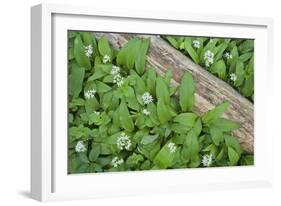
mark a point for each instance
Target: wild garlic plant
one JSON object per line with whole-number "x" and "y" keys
{"x": 123, "y": 116}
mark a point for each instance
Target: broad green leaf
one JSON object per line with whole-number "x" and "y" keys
{"x": 132, "y": 53}
{"x": 186, "y": 119}
{"x": 189, "y": 49}
{"x": 165, "y": 158}
{"x": 190, "y": 150}
{"x": 126, "y": 121}
{"x": 225, "y": 125}
{"x": 215, "y": 113}
{"x": 220, "y": 50}
{"x": 248, "y": 86}
{"x": 216, "y": 135}
{"x": 163, "y": 112}
{"x": 162, "y": 91}
{"x": 76, "y": 80}
{"x": 245, "y": 57}
{"x": 151, "y": 81}
{"x": 231, "y": 141}
{"x": 197, "y": 127}
{"x": 104, "y": 47}
{"x": 239, "y": 71}
{"x": 172, "y": 41}
{"x": 149, "y": 139}
{"x": 219, "y": 68}
{"x": 95, "y": 152}
{"x": 246, "y": 46}
{"x": 233, "y": 156}
{"x": 83, "y": 157}
{"x": 141, "y": 56}
{"x": 102, "y": 87}
{"x": 79, "y": 54}
{"x": 186, "y": 92}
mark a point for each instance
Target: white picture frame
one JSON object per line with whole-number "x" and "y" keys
{"x": 49, "y": 179}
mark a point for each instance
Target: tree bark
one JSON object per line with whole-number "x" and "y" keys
{"x": 210, "y": 90}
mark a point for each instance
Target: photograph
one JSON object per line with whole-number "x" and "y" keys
{"x": 150, "y": 102}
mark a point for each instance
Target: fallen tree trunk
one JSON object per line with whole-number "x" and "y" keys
{"x": 210, "y": 90}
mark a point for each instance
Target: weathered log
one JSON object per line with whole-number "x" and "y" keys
{"x": 210, "y": 90}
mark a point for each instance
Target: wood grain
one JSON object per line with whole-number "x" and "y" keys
{"x": 210, "y": 90}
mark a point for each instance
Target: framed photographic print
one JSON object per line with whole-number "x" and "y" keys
{"x": 135, "y": 102}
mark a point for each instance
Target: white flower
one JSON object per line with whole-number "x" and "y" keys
{"x": 118, "y": 79}
{"x": 172, "y": 147}
{"x": 208, "y": 58}
{"x": 80, "y": 147}
{"x": 115, "y": 70}
{"x": 207, "y": 160}
{"x": 90, "y": 94}
{"x": 88, "y": 50}
{"x": 146, "y": 112}
{"x": 124, "y": 142}
{"x": 97, "y": 113}
{"x": 196, "y": 44}
{"x": 227, "y": 55}
{"x": 233, "y": 77}
{"x": 106, "y": 59}
{"x": 116, "y": 161}
{"x": 147, "y": 98}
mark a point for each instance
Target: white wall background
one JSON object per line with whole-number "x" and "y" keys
{"x": 15, "y": 102}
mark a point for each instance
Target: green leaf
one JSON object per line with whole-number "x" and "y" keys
{"x": 126, "y": 121}
{"x": 186, "y": 92}
{"x": 151, "y": 81}
{"x": 246, "y": 46}
{"x": 216, "y": 135}
{"x": 76, "y": 80}
{"x": 219, "y": 68}
{"x": 102, "y": 87}
{"x": 231, "y": 141}
{"x": 233, "y": 156}
{"x": 149, "y": 139}
{"x": 95, "y": 152}
{"x": 141, "y": 56}
{"x": 190, "y": 150}
{"x": 164, "y": 158}
{"x": 189, "y": 49}
{"x": 186, "y": 119}
{"x": 163, "y": 112}
{"x": 248, "y": 86}
{"x": 247, "y": 160}
{"x": 225, "y": 125}
{"x": 239, "y": 71}
{"x": 79, "y": 53}
{"x": 162, "y": 91}
{"x": 215, "y": 113}
{"x": 172, "y": 41}
{"x": 83, "y": 157}
{"x": 132, "y": 53}
{"x": 104, "y": 47}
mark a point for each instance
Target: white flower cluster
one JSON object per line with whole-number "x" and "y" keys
{"x": 80, "y": 147}
{"x": 196, "y": 44}
{"x": 207, "y": 160}
{"x": 116, "y": 161}
{"x": 90, "y": 94}
{"x": 147, "y": 98}
{"x": 106, "y": 59}
{"x": 117, "y": 78}
{"x": 172, "y": 147}
{"x": 88, "y": 50}
{"x": 208, "y": 58}
{"x": 227, "y": 55}
{"x": 233, "y": 77}
{"x": 145, "y": 112}
{"x": 97, "y": 113}
{"x": 124, "y": 142}
{"x": 115, "y": 70}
